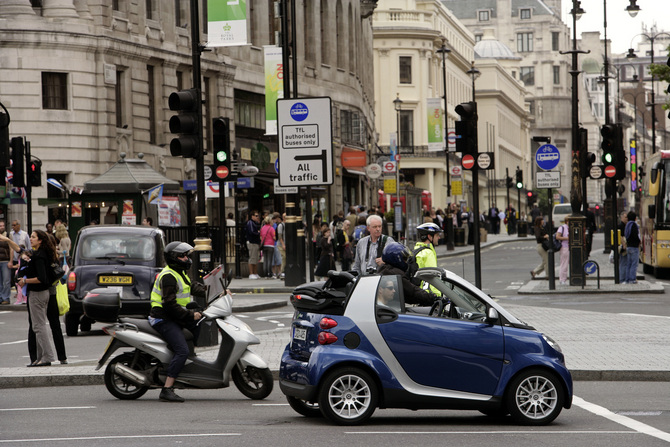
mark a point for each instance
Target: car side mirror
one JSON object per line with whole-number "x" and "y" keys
{"x": 492, "y": 316}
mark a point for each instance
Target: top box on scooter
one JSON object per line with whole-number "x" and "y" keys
{"x": 103, "y": 304}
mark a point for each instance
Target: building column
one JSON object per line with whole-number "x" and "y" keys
{"x": 59, "y": 8}
{"x": 15, "y": 8}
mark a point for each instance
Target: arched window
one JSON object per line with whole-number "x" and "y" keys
{"x": 340, "y": 21}
{"x": 309, "y": 35}
{"x": 325, "y": 54}
{"x": 353, "y": 41}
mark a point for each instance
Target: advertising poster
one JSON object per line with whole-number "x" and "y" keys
{"x": 76, "y": 209}
{"x": 274, "y": 86}
{"x": 128, "y": 208}
{"x": 435, "y": 124}
{"x": 226, "y": 23}
{"x": 169, "y": 214}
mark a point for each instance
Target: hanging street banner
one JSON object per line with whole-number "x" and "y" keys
{"x": 305, "y": 141}
{"x": 227, "y": 23}
{"x": 274, "y": 86}
{"x": 435, "y": 124}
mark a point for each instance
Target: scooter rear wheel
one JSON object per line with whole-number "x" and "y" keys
{"x": 253, "y": 382}
{"x": 120, "y": 387}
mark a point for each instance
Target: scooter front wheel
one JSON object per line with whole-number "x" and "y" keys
{"x": 120, "y": 387}
{"x": 255, "y": 383}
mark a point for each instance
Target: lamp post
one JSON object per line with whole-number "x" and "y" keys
{"x": 651, "y": 37}
{"x": 577, "y": 221}
{"x": 397, "y": 104}
{"x": 474, "y": 74}
{"x": 450, "y": 223}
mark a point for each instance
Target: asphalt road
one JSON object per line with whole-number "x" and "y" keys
{"x": 608, "y": 414}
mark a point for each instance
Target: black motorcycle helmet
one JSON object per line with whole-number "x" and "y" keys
{"x": 396, "y": 255}
{"x": 173, "y": 251}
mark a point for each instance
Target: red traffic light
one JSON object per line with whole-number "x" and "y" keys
{"x": 530, "y": 194}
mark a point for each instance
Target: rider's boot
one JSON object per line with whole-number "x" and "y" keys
{"x": 168, "y": 395}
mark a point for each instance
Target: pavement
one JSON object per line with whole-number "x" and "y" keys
{"x": 597, "y": 345}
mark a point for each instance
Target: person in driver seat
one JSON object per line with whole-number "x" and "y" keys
{"x": 395, "y": 256}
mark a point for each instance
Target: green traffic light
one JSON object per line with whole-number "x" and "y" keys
{"x": 608, "y": 157}
{"x": 519, "y": 185}
{"x": 221, "y": 156}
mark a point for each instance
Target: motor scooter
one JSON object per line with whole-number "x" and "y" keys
{"x": 131, "y": 374}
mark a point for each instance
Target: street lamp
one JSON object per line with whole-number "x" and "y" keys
{"x": 397, "y": 216}
{"x": 474, "y": 74}
{"x": 631, "y": 55}
{"x": 444, "y": 51}
{"x": 632, "y": 8}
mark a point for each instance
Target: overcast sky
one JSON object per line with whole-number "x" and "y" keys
{"x": 621, "y": 27}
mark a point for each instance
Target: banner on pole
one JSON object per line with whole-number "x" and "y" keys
{"x": 274, "y": 86}
{"x": 227, "y": 23}
{"x": 435, "y": 124}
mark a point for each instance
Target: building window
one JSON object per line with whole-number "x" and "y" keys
{"x": 483, "y": 16}
{"x": 118, "y": 98}
{"x": 524, "y": 42}
{"x": 54, "y": 90}
{"x": 478, "y": 38}
{"x": 405, "y": 63}
{"x": 524, "y": 14}
{"x": 528, "y": 75}
{"x": 150, "y": 9}
{"x": 350, "y": 128}
{"x": 554, "y": 40}
{"x": 115, "y": 5}
{"x": 249, "y": 109}
{"x": 557, "y": 74}
{"x": 152, "y": 103}
{"x": 406, "y": 139}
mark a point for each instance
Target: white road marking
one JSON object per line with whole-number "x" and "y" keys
{"x": 496, "y": 432}
{"x": 45, "y": 408}
{"x": 90, "y": 438}
{"x": 269, "y": 405}
{"x": 13, "y": 342}
{"x": 621, "y": 419}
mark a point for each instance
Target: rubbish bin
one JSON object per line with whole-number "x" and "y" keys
{"x": 523, "y": 229}
{"x": 482, "y": 234}
{"x": 459, "y": 237}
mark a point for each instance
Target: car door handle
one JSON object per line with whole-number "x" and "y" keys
{"x": 386, "y": 315}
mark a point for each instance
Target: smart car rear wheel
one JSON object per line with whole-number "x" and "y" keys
{"x": 348, "y": 396}
{"x": 535, "y": 397}
{"x": 301, "y": 406}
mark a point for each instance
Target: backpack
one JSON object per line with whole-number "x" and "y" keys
{"x": 413, "y": 267}
{"x": 359, "y": 232}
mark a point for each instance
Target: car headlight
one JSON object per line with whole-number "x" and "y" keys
{"x": 552, "y": 342}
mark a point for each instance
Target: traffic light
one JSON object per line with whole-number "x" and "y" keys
{"x": 586, "y": 158}
{"x": 221, "y": 148}
{"x": 18, "y": 163}
{"x": 532, "y": 197}
{"x": 466, "y": 129}
{"x": 187, "y": 103}
{"x": 34, "y": 174}
{"x": 510, "y": 182}
{"x": 519, "y": 179}
{"x": 614, "y": 156}
{"x": 4, "y": 141}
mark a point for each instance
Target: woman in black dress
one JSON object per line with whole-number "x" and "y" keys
{"x": 326, "y": 261}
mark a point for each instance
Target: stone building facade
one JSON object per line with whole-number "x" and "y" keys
{"x": 87, "y": 80}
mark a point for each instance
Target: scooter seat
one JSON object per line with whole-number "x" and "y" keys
{"x": 142, "y": 324}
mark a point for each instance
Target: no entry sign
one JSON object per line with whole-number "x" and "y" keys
{"x": 468, "y": 161}
{"x": 610, "y": 171}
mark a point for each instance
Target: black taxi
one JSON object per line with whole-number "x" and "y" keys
{"x": 125, "y": 257}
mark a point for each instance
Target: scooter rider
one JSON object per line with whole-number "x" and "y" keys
{"x": 424, "y": 250}
{"x": 171, "y": 293}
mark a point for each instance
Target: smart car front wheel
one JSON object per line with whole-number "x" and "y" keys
{"x": 348, "y": 396}
{"x": 535, "y": 397}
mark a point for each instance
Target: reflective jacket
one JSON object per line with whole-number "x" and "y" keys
{"x": 425, "y": 256}
{"x": 183, "y": 295}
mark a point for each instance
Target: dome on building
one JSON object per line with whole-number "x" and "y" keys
{"x": 591, "y": 66}
{"x": 490, "y": 48}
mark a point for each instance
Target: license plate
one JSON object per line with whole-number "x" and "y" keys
{"x": 299, "y": 334}
{"x": 119, "y": 280}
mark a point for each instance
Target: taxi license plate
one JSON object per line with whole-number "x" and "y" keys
{"x": 118, "y": 280}
{"x": 299, "y": 334}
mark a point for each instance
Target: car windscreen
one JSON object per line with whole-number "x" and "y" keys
{"x": 115, "y": 246}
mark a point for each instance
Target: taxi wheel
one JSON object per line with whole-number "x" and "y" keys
{"x": 348, "y": 396}
{"x": 535, "y": 397}
{"x": 301, "y": 406}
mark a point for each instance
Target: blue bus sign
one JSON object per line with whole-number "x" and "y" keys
{"x": 547, "y": 157}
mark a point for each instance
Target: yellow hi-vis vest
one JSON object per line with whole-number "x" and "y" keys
{"x": 183, "y": 291}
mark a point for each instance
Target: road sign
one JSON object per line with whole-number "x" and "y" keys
{"x": 484, "y": 160}
{"x": 590, "y": 267}
{"x": 388, "y": 167}
{"x": 208, "y": 172}
{"x": 305, "y": 141}
{"x": 222, "y": 172}
{"x": 610, "y": 171}
{"x": 456, "y": 171}
{"x": 547, "y": 157}
{"x": 451, "y": 140}
{"x": 548, "y": 179}
{"x": 596, "y": 172}
{"x": 468, "y": 161}
{"x": 373, "y": 170}
{"x": 284, "y": 189}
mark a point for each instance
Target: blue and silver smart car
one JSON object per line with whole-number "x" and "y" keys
{"x": 356, "y": 347}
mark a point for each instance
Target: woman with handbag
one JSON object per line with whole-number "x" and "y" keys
{"x": 44, "y": 254}
{"x": 540, "y": 236}
{"x": 562, "y": 234}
